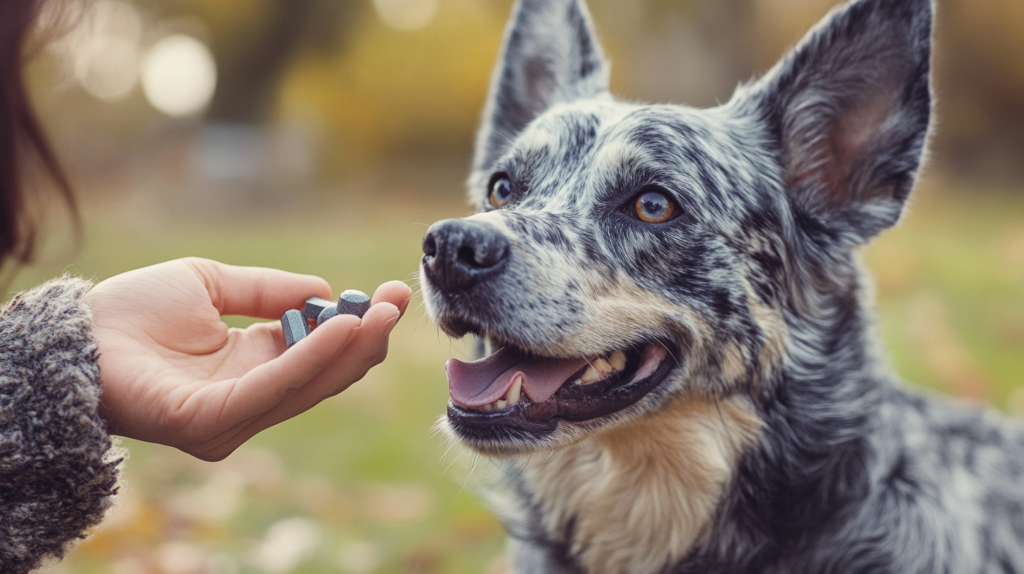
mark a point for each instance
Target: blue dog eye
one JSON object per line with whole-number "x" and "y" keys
{"x": 654, "y": 207}
{"x": 501, "y": 190}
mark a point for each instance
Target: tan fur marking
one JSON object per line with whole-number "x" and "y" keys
{"x": 774, "y": 326}
{"x": 641, "y": 494}
{"x": 733, "y": 367}
{"x": 617, "y": 305}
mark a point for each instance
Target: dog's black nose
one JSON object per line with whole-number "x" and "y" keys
{"x": 457, "y": 253}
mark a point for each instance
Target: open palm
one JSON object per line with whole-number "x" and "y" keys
{"x": 173, "y": 373}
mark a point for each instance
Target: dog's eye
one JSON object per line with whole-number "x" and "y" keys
{"x": 500, "y": 189}
{"x": 654, "y": 207}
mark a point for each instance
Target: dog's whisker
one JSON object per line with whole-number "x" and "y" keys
{"x": 496, "y": 469}
{"x": 458, "y": 456}
{"x": 660, "y": 343}
{"x": 416, "y": 326}
{"x": 472, "y": 468}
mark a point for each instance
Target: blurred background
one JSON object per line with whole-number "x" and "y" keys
{"x": 323, "y": 136}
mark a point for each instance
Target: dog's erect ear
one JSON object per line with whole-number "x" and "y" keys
{"x": 550, "y": 55}
{"x": 850, "y": 108}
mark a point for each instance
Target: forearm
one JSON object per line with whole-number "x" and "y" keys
{"x": 57, "y": 476}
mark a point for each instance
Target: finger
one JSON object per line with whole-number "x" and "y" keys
{"x": 356, "y": 357}
{"x": 395, "y": 292}
{"x": 265, "y": 386}
{"x": 257, "y": 291}
{"x": 363, "y": 351}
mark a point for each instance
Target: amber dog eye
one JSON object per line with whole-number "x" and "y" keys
{"x": 501, "y": 190}
{"x": 654, "y": 207}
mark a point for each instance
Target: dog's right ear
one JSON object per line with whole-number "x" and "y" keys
{"x": 550, "y": 55}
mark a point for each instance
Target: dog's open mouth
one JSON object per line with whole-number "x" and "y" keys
{"x": 512, "y": 388}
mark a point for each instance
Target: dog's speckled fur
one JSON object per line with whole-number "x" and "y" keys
{"x": 780, "y": 442}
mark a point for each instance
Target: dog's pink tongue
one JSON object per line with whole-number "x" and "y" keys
{"x": 485, "y": 381}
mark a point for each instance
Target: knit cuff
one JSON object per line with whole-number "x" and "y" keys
{"x": 57, "y": 473}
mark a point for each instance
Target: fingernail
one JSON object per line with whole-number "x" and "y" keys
{"x": 390, "y": 325}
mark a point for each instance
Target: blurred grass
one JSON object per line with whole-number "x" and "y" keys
{"x": 951, "y": 292}
{"x": 362, "y": 484}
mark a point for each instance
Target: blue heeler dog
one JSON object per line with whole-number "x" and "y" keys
{"x": 681, "y": 374}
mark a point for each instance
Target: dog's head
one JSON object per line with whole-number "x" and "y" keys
{"x": 627, "y": 255}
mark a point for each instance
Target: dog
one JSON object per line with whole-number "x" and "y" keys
{"x": 680, "y": 373}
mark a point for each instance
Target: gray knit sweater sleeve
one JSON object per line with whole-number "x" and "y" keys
{"x": 57, "y": 478}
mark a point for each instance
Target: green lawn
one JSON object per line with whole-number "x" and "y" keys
{"x": 362, "y": 483}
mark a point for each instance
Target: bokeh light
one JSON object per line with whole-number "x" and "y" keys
{"x": 104, "y": 50}
{"x": 107, "y": 67}
{"x": 406, "y": 14}
{"x": 179, "y": 75}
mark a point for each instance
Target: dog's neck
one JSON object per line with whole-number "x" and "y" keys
{"x": 818, "y": 416}
{"x": 652, "y": 484}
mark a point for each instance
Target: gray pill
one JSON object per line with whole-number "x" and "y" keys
{"x": 326, "y": 314}
{"x": 295, "y": 326}
{"x": 352, "y": 302}
{"x": 316, "y": 305}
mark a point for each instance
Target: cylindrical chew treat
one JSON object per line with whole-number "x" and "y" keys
{"x": 295, "y": 326}
{"x": 316, "y": 305}
{"x": 352, "y": 302}
{"x": 326, "y": 314}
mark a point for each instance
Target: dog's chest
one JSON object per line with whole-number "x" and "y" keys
{"x": 636, "y": 499}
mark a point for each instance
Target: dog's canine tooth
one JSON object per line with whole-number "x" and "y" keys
{"x": 515, "y": 391}
{"x": 591, "y": 375}
{"x": 618, "y": 360}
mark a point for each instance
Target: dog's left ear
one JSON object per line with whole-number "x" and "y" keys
{"x": 549, "y": 55}
{"x": 850, "y": 109}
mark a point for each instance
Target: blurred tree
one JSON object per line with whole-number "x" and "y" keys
{"x": 725, "y": 27}
{"x": 252, "y": 70}
{"x": 981, "y": 87}
{"x": 384, "y": 91}
{"x": 396, "y": 93}
{"x": 690, "y": 51}
{"x": 255, "y": 41}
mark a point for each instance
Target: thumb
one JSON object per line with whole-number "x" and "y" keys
{"x": 256, "y": 291}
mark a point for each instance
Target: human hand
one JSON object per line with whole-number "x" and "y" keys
{"x": 173, "y": 373}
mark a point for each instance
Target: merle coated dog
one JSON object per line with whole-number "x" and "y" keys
{"x": 680, "y": 371}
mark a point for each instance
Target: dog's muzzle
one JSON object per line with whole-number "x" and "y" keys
{"x": 458, "y": 253}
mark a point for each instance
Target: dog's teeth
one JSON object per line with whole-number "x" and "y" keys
{"x": 603, "y": 367}
{"x": 515, "y": 391}
{"x": 500, "y": 404}
{"x": 487, "y": 408}
{"x": 618, "y": 360}
{"x": 590, "y": 376}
